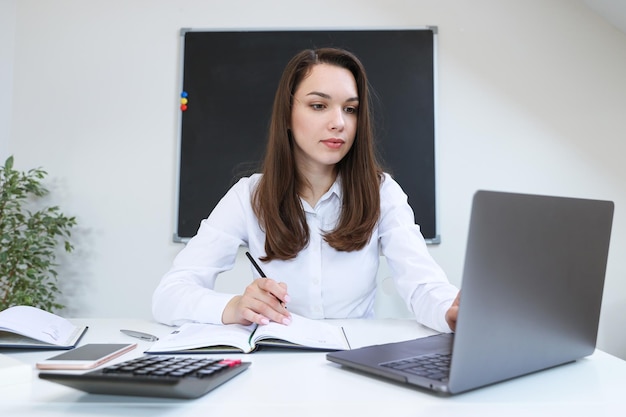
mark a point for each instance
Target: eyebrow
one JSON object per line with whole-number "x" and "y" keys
{"x": 326, "y": 96}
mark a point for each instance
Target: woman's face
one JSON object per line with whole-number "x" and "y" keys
{"x": 324, "y": 117}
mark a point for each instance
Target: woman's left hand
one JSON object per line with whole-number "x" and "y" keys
{"x": 453, "y": 311}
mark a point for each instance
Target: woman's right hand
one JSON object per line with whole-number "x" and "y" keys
{"x": 262, "y": 301}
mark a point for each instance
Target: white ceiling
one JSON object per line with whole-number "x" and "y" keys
{"x": 612, "y": 10}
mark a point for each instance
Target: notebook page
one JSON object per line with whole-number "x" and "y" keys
{"x": 37, "y": 324}
{"x": 306, "y": 332}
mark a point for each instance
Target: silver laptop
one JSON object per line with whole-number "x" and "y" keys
{"x": 530, "y": 299}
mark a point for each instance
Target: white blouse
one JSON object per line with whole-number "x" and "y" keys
{"x": 321, "y": 281}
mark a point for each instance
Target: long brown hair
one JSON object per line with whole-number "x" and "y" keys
{"x": 276, "y": 202}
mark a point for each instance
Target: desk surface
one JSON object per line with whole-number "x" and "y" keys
{"x": 300, "y": 383}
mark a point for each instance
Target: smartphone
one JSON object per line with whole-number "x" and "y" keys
{"x": 87, "y": 356}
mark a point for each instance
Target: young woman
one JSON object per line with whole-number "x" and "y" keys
{"x": 317, "y": 218}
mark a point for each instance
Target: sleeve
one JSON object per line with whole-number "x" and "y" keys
{"x": 420, "y": 281}
{"x": 185, "y": 292}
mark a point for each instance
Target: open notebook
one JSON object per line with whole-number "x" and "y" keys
{"x": 31, "y": 327}
{"x": 302, "y": 333}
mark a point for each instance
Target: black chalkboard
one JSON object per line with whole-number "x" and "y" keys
{"x": 229, "y": 79}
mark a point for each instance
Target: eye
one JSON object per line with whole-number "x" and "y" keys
{"x": 318, "y": 106}
{"x": 351, "y": 109}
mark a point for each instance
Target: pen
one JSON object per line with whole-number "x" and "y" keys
{"x": 256, "y": 265}
{"x": 139, "y": 335}
{"x": 258, "y": 268}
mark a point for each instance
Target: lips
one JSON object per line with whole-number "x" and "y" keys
{"x": 333, "y": 143}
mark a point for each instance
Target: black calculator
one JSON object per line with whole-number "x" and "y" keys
{"x": 154, "y": 376}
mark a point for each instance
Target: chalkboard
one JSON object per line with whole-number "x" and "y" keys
{"x": 229, "y": 79}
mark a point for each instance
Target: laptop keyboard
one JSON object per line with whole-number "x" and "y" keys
{"x": 154, "y": 376}
{"x": 433, "y": 366}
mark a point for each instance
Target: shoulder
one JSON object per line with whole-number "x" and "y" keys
{"x": 246, "y": 185}
{"x": 389, "y": 188}
{"x": 240, "y": 193}
{"x": 394, "y": 205}
{"x": 238, "y": 199}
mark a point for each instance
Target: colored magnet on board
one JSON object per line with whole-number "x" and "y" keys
{"x": 184, "y": 101}
{"x": 184, "y": 94}
{"x": 183, "y": 107}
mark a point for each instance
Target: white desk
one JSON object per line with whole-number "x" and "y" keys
{"x": 299, "y": 384}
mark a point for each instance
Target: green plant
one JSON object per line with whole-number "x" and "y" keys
{"x": 29, "y": 241}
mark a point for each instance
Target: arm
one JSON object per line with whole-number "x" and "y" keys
{"x": 420, "y": 281}
{"x": 185, "y": 293}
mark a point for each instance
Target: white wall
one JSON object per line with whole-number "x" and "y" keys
{"x": 7, "y": 41}
{"x": 531, "y": 99}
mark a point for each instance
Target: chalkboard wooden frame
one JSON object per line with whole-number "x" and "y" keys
{"x": 229, "y": 79}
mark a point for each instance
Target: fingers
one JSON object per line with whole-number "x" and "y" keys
{"x": 453, "y": 312}
{"x": 451, "y": 317}
{"x": 262, "y": 301}
{"x": 277, "y": 289}
{"x": 457, "y": 300}
{"x": 270, "y": 300}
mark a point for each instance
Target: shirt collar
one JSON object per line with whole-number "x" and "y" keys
{"x": 335, "y": 189}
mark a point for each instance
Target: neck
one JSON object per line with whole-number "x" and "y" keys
{"x": 316, "y": 185}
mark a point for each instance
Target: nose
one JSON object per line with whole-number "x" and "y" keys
{"x": 337, "y": 119}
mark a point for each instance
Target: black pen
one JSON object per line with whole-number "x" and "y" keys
{"x": 256, "y": 265}
{"x": 258, "y": 268}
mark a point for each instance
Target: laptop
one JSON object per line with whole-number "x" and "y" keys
{"x": 530, "y": 299}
